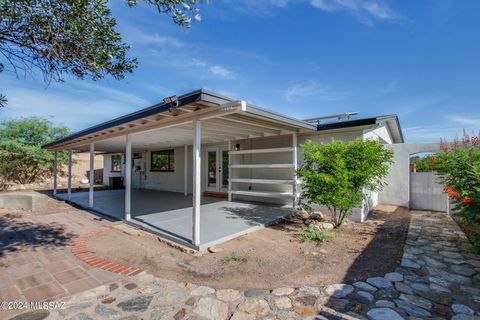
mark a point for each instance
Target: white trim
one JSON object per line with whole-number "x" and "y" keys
{"x": 295, "y": 166}
{"x": 269, "y": 194}
{"x": 271, "y": 150}
{"x": 229, "y": 171}
{"x": 128, "y": 176}
{"x": 92, "y": 176}
{"x": 262, "y": 181}
{"x": 262, "y": 166}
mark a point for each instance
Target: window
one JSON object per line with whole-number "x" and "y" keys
{"x": 116, "y": 163}
{"x": 162, "y": 161}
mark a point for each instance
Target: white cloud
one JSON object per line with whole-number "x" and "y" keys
{"x": 157, "y": 39}
{"x": 222, "y": 72}
{"x": 364, "y": 10}
{"x": 464, "y": 120}
{"x": 312, "y": 89}
{"x": 259, "y": 7}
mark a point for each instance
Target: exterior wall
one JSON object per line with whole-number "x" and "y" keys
{"x": 380, "y": 133}
{"x": 397, "y": 191}
{"x": 107, "y": 169}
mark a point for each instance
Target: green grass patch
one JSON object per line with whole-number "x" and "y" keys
{"x": 310, "y": 234}
{"x": 232, "y": 258}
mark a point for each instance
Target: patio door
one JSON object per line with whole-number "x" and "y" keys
{"x": 217, "y": 169}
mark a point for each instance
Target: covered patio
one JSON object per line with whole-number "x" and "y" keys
{"x": 203, "y": 141}
{"x": 169, "y": 214}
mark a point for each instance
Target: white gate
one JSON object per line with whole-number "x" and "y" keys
{"x": 426, "y": 193}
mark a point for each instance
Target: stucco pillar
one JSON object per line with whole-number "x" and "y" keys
{"x": 197, "y": 133}
{"x": 128, "y": 176}
{"x": 185, "y": 169}
{"x": 69, "y": 192}
{"x": 91, "y": 178}
{"x": 55, "y": 173}
{"x": 295, "y": 166}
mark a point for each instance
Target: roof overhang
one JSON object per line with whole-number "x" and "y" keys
{"x": 222, "y": 118}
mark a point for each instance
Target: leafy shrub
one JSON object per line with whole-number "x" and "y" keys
{"x": 310, "y": 234}
{"x": 458, "y": 165}
{"x": 336, "y": 175}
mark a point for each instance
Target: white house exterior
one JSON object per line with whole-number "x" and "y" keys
{"x": 208, "y": 144}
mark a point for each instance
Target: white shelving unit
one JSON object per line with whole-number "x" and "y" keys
{"x": 254, "y": 182}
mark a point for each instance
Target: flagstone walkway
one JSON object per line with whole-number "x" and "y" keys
{"x": 438, "y": 278}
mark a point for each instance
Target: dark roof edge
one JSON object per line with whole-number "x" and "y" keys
{"x": 197, "y": 95}
{"x": 363, "y": 122}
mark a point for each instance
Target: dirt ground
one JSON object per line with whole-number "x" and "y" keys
{"x": 272, "y": 257}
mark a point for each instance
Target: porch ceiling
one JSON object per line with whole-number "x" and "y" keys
{"x": 231, "y": 121}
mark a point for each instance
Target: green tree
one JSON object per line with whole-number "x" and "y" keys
{"x": 22, "y": 159}
{"x": 73, "y": 37}
{"x": 336, "y": 175}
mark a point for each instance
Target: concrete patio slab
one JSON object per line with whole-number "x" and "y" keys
{"x": 169, "y": 214}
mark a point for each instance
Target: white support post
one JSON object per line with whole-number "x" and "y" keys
{"x": 185, "y": 169}
{"x": 295, "y": 166}
{"x": 229, "y": 171}
{"x": 128, "y": 176}
{"x": 92, "y": 176}
{"x": 197, "y": 134}
{"x": 55, "y": 173}
{"x": 69, "y": 190}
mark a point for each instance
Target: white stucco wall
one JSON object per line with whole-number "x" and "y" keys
{"x": 397, "y": 191}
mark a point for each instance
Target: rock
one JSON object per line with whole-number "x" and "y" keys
{"x": 180, "y": 314}
{"x": 383, "y": 314}
{"x": 32, "y": 315}
{"x": 309, "y": 291}
{"x": 255, "y": 293}
{"x": 305, "y": 311}
{"x": 364, "y": 297}
{"x": 439, "y": 281}
{"x": 379, "y": 282}
{"x": 393, "y": 277}
{"x": 283, "y": 303}
{"x": 403, "y": 288}
{"x": 242, "y": 316}
{"x": 339, "y": 290}
{"x": 211, "y": 308}
{"x": 464, "y": 317}
{"x": 162, "y": 312}
{"x": 436, "y": 296}
{"x": 337, "y": 304}
{"x": 214, "y": 249}
{"x": 317, "y": 215}
{"x": 304, "y": 300}
{"x": 325, "y": 226}
{"x": 106, "y": 312}
{"x": 436, "y": 287}
{"x": 73, "y": 308}
{"x": 417, "y": 301}
{"x": 113, "y": 286}
{"x": 464, "y": 270}
{"x": 202, "y": 291}
{"x": 450, "y": 254}
{"x": 386, "y": 294}
{"x": 385, "y": 304}
{"x": 255, "y": 306}
{"x": 433, "y": 263}
{"x": 449, "y": 276}
{"x": 408, "y": 263}
{"x": 413, "y": 250}
{"x": 130, "y": 286}
{"x": 131, "y": 317}
{"x": 81, "y": 316}
{"x": 228, "y": 295}
{"x": 418, "y": 286}
{"x": 108, "y": 300}
{"x": 282, "y": 291}
{"x": 463, "y": 309}
{"x": 412, "y": 309}
{"x": 365, "y": 286}
{"x": 137, "y": 304}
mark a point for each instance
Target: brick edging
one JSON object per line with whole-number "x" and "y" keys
{"x": 79, "y": 250}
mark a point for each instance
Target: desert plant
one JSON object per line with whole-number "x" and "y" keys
{"x": 311, "y": 234}
{"x": 336, "y": 175}
{"x": 233, "y": 257}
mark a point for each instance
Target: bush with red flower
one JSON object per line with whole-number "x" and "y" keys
{"x": 458, "y": 165}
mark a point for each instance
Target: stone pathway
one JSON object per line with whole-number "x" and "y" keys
{"x": 438, "y": 278}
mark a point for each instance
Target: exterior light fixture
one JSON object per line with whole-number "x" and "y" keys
{"x": 172, "y": 102}
{"x": 237, "y": 147}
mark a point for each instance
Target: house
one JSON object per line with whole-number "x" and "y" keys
{"x": 203, "y": 168}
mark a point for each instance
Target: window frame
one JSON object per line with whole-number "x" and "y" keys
{"x": 170, "y": 161}
{"x": 120, "y": 163}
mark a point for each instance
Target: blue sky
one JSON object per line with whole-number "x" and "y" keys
{"x": 305, "y": 58}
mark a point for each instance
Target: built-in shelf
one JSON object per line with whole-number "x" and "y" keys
{"x": 261, "y": 166}
{"x": 262, "y": 181}
{"x": 266, "y": 194}
{"x": 271, "y": 150}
